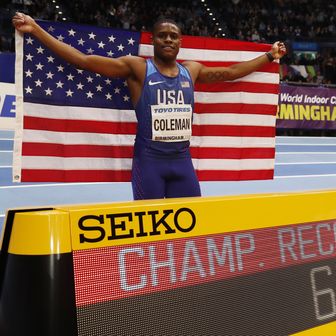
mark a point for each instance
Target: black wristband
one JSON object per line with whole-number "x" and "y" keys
{"x": 270, "y": 56}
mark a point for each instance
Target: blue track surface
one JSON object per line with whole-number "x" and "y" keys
{"x": 301, "y": 164}
{"x": 306, "y": 148}
{"x": 6, "y": 144}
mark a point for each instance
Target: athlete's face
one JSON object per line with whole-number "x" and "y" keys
{"x": 166, "y": 41}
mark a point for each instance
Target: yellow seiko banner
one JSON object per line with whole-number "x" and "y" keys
{"x": 215, "y": 245}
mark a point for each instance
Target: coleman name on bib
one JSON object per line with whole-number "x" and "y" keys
{"x": 171, "y": 122}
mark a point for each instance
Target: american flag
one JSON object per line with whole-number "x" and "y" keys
{"x": 78, "y": 126}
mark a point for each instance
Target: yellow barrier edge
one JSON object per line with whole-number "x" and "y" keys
{"x": 40, "y": 233}
{"x": 328, "y": 329}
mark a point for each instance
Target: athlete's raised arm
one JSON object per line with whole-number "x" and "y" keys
{"x": 117, "y": 67}
{"x": 207, "y": 74}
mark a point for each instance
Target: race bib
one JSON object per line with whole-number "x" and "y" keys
{"x": 171, "y": 122}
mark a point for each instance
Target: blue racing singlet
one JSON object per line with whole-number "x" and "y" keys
{"x": 164, "y": 113}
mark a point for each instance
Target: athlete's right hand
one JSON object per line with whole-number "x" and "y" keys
{"x": 23, "y": 23}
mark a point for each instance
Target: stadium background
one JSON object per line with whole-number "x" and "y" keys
{"x": 308, "y": 27}
{"x": 305, "y": 158}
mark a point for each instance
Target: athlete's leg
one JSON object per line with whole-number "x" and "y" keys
{"x": 147, "y": 182}
{"x": 184, "y": 181}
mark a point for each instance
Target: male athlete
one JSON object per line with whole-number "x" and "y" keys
{"x": 162, "y": 92}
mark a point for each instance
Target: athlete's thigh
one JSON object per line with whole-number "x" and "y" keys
{"x": 186, "y": 183}
{"x": 146, "y": 180}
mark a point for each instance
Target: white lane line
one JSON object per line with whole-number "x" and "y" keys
{"x": 301, "y": 137}
{"x": 304, "y": 144}
{"x": 53, "y": 185}
{"x": 299, "y": 176}
{"x": 313, "y": 153}
{"x": 306, "y": 163}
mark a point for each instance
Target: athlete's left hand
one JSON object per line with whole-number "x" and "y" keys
{"x": 278, "y": 50}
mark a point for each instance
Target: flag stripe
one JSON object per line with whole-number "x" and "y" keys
{"x": 193, "y": 54}
{"x": 35, "y": 120}
{"x": 237, "y": 142}
{"x": 249, "y": 131}
{"x": 60, "y": 125}
{"x": 60, "y": 150}
{"x": 232, "y": 153}
{"x": 235, "y": 97}
{"x": 266, "y": 74}
{"x": 225, "y": 175}
{"x": 79, "y": 138}
{"x": 122, "y": 116}
{"x": 79, "y": 113}
{"x": 64, "y": 125}
{"x": 89, "y": 113}
{"x": 236, "y": 108}
{"x": 270, "y": 67}
{"x": 234, "y": 119}
{"x": 239, "y": 165}
{"x": 47, "y": 162}
{"x": 260, "y": 77}
{"x": 239, "y": 86}
{"x": 36, "y": 162}
{"x": 40, "y": 175}
{"x": 199, "y": 42}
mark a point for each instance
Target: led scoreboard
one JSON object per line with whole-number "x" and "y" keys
{"x": 256, "y": 265}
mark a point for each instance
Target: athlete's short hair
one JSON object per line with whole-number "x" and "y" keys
{"x": 161, "y": 20}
